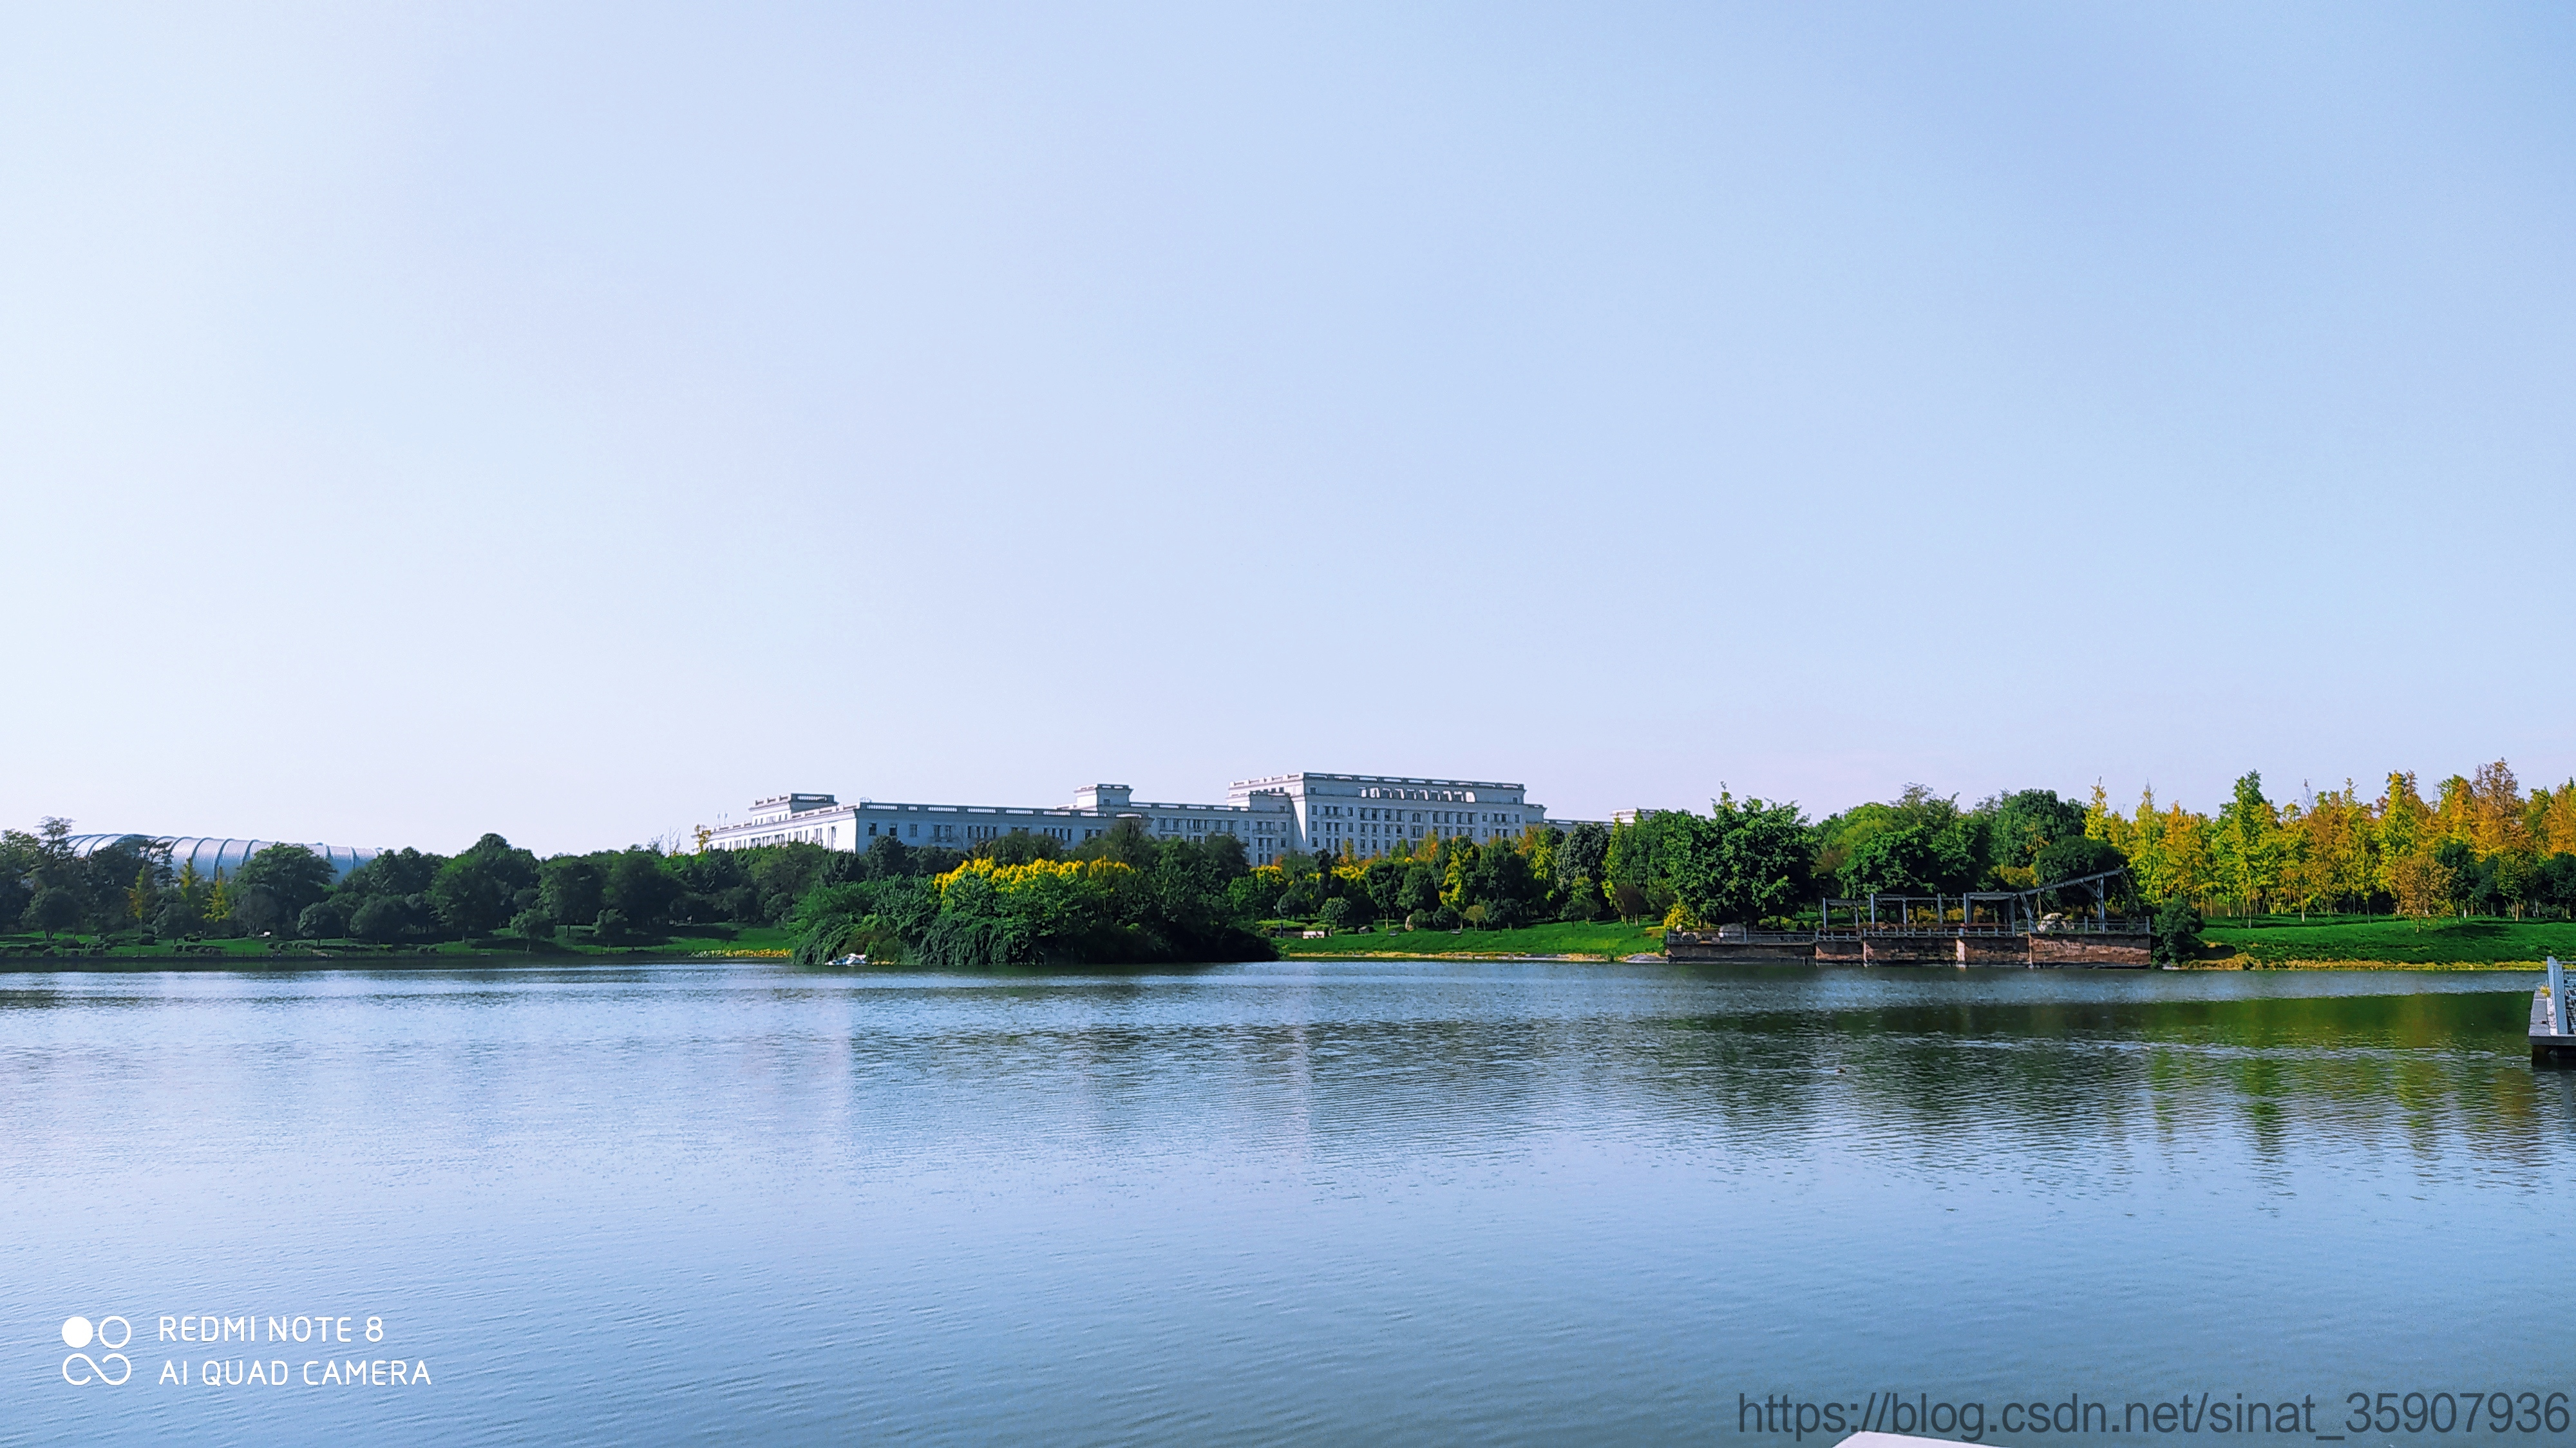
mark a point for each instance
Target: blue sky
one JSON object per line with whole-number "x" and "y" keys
{"x": 575, "y": 421}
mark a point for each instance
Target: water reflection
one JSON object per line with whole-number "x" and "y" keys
{"x": 1377, "y": 1202}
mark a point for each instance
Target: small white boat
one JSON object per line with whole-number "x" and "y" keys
{"x": 851, "y": 960}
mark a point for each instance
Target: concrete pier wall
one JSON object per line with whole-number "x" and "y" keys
{"x": 1910, "y": 950}
{"x": 2125, "y": 950}
{"x": 1994, "y": 949}
{"x": 1706, "y": 947}
{"x": 2072, "y": 949}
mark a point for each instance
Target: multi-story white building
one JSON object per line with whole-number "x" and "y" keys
{"x": 1372, "y": 813}
{"x": 1361, "y": 814}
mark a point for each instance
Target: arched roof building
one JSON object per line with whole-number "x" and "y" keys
{"x": 228, "y": 856}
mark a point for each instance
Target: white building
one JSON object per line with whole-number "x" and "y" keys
{"x": 1371, "y": 813}
{"x": 1361, "y": 814}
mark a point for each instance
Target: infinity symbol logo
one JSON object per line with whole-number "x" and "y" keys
{"x": 77, "y": 1334}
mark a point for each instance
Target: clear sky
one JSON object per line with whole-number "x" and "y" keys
{"x": 576, "y": 421}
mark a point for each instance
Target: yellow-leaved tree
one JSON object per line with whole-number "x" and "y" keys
{"x": 2138, "y": 837}
{"x": 2182, "y": 845}
{"x": 2495, "y": 798}
{"x": 2421, "y": 883}
{"x": 2455, "y": 813}
{"x": 2557, "y": 827}
{"x": 2330, "y": 864}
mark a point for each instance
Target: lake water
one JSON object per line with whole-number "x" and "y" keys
{"x": 1292, "y": 1203}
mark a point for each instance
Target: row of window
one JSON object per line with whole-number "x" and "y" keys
{"x": 1437, "y": 816}
{"x": 1442, "y": 795}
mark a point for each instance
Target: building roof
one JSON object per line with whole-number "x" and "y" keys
{"x": 209, "y": 854}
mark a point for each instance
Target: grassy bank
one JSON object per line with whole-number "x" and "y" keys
{"x": 1611, "y": 941}
{"x": 34, "y": 952}
{"x": 2359, "y": 941}
{"x": 2351, "y": 942}
{"x": 2272, "y": 942}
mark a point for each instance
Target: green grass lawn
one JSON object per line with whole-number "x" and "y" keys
{"x": 1611, "y": 941}
{"x": 30, "y": 950}
{"x": 2281, "y": 939}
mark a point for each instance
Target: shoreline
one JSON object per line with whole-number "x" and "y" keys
{"x": 326, "y": 960}
{"x": 457, "y": 960}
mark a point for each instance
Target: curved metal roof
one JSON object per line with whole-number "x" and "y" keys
{"x": 210, "y": 854}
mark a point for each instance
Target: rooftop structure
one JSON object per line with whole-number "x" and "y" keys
{"x": 226, "y": 856}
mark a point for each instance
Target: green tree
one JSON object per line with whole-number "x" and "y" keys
{"x": 781, "y": 875}
{"x": 2176, "y": 933}
{"x": 1579, "y": 869}
{"x": 470, "y": 895}
{"x": 1127, "y": 842}
{"x": 638, "y": 890}
{"x": 2462, "y": 880}
{"x": 54, "y": 862}
{"x": 253, "y": 910}
{"x": 2028, "y": 821}
{"x": 2246, "y": 846}
{"x": 1742, "y": 862}
{"x": 1299, "y": 901}
{"x": 1919, "y": 844}
{"x": 888, "y": 859}
{"x": 569, "y": 887}
{"x": 106, "y": 879}
{"x": 56, "y": 907}
{"x": 18, "y": 857}
{"x": 1635, "y": 868}
{"x": 2074, "y": 858}
{"x": 1017, "y": 848}
{"x": 144, "y": 898}
{"x": 874, "y": 918}
{"x": 293, "y": 875}
{"x": 384, "y": 919}
{"x": 1420, "y": 889}
{"x": 179, "y": 918}
{"x": 1498, "y": 878}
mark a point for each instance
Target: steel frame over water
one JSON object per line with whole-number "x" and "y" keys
{"x": 1994, "y": 927}
{"x": 2018, "y": 909}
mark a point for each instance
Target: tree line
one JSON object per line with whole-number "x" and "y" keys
{"x": 2482, "y": 845}
{"x": 1122, "y": 898}
{"x": 129, "y": 889}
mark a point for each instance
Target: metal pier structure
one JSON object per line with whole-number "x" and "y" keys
{"x": 2551, "y": 1019}
{"x": 1983, "y": 927}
